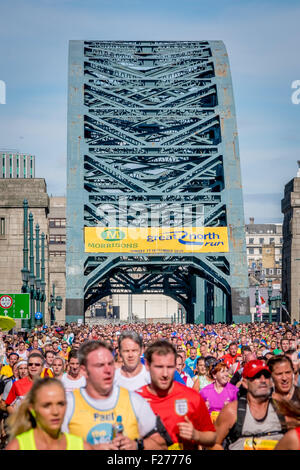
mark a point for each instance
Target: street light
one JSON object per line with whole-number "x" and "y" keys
{"x": 55, "y": 302}
{"x": 32, "y": 283}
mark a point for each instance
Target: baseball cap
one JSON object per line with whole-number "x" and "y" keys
{"x": 254, "y": 367}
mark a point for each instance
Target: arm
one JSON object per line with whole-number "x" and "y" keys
{"x": 224, "y": 423}
{"x": 289, "y": 441}
{"x": 189, "y": 432}
{"x": 196, "y": 385}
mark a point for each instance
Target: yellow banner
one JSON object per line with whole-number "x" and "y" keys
{"x": 153, "y": 240}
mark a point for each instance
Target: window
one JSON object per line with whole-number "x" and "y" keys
{"x": 251, "y": 241}
{"x": 57, "y": 223}
{"x": 57, "y": 239}
{"x": 2, "y": 226}
{"x": 261, "y": 241}
{"x": 251, "y": 251}
{"x": 272, "y": 240}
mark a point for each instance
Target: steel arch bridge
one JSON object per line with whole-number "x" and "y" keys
{"x": 152, "y": 130}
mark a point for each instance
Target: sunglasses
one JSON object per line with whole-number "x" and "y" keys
{"x": 37, "y": 364}
{"x": 265, "y": 373}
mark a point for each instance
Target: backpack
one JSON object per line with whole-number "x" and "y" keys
{"x": 236, "y": 431}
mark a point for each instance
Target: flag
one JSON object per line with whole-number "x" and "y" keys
{"x": 261, "y": 301}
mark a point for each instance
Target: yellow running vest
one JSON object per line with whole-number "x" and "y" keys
{"x": 27, "y": 442}
{"x": 95, "y": 425}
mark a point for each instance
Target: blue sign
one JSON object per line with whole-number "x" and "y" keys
{"x": 38, "y": 316}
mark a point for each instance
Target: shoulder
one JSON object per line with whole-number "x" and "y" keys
{"x": 13, "y": 445}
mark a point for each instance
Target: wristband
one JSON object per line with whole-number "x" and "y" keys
{"x": 139, "y": 444}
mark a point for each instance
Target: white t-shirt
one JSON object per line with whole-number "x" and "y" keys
{"x": 143, "y": 412}
{"x": 132, "y": 383}
{"x": 70, "y": 384}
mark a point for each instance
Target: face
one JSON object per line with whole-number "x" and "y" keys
{"x": 50, "y": 407}
{"x": 55, "y": 346}
{"x": 35, "y": 366}
{"x": 50, "y": 358}
{"x": 193, "y": 353}
{"x": 12, "y": 360}
{"x": 162, "y": 370}
{"x": 179, "y": 364}
{"x": 130, "y": 353}
{"x": 57, "y": 367}
{"x": 201, "y": 368}
{"x": 99, "y": 372}
{"x": 259, "y": 386}
{"x": 74, "y": 367}
{"x": 222, "y": 376}
{"x": 23, "y": 371}
{"x": 282, "y": 377}
{"x": 21, "y": 346}
{"x": 285, "y": 345}
{"x": 64, "y": 347}
{"x": 232, "y": 349}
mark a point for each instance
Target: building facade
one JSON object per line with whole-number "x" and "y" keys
{"x": 12, "y": 194}
{"x": 290, "y": 207}
{"x": 15, "y": 164}
{"x": 264, "y": 251}
{"x": 57, "y": 251}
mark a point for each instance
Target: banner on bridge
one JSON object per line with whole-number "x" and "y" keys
{"x": 154, "y": 240}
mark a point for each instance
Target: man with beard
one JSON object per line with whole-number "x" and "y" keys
{"x": 182, "y": 410}
{"x": 252, "y": 422}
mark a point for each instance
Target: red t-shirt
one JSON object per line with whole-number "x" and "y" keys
{"x": 19, "y": 389}
{"x": 173, "y": 407}
{"x": 229, "y": 359}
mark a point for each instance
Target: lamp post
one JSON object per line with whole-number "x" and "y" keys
{"x": 25, "y": 270}
{"x": 55, "y": 302}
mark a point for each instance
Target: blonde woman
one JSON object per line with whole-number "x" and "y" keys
{"x": 36, "y": 424}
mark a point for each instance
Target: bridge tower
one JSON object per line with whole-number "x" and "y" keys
{"x": 152, "y": 141}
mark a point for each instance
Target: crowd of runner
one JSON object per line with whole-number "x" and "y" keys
{"x": 151, "y": 386}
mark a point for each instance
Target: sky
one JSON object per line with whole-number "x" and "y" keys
{"x": 262, "y": 41}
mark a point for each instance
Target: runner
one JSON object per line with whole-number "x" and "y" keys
{"x": 132, "y": 374}
{"x": 73, "y": 378}
{"x": 202, "y": 377}
{"x": 92, "y": 411}
{"x": 21, "y": 387}
{"x": 282, "y": 373}
{"x": 36, "y": 425}
{"x": 252, "y": 422}
{"x": 220, "y": 392}
{"x": 181, "y": 409}
{"x": 179, "y": 367}
{"x": 58, "y": 367}
{"x": 49, "y": 358}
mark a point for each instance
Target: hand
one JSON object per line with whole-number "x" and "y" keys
{"x": 186, "y": 429}
{"x": 124, "y": 443}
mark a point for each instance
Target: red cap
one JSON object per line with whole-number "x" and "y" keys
{"x": 254, "y": 367}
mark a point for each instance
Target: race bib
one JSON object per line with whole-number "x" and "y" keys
{"x": 214, "y": 415}
{"x": 259, "y": 443}
{"x": 176, "y": 446}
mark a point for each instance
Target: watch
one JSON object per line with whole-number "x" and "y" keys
{"x": 139, "y": 444}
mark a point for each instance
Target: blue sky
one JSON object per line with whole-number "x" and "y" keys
{"x": 262, "y": 40}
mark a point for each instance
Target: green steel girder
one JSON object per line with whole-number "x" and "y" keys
{"x": 152, "y": 133}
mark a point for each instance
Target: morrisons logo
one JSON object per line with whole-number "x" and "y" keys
{"x": 113, "y": 235}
